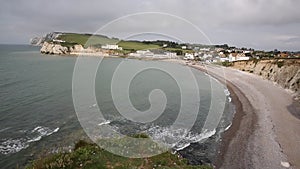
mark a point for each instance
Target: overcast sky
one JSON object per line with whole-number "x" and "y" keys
{"x": 259, "y": 24}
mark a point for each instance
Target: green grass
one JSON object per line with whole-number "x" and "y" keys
{"x": 227, "y": 64}
{"x": 179, "y": 51}
{"x": 90, "y": 156}
{"x": 135, "y": 45}
{"x": 86, "y": 39}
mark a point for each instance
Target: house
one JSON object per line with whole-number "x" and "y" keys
{"x": 171, "y": 54}
{"x": 224, "y": 59}
{"x": 111, "y": 47}
{"x": 222, "y": 55}
{"x": 158, "y": 54}
{"x": 247, "y": 52}
{"x": 242, "y": 56}
{"x": 219, "y": 49}
{"x": 232, "y": 57}
{"x": 205, "y": 49}
{"x": 297, "y": 55}
{"x": 142, "y": 53}
{"x": 206, "y": 56}
{"x": 189, "y": 56}
{"x": 283, "y": 55}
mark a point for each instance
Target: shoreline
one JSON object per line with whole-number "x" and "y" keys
{"x": 242, "y": 125}
{"x": 240, "y": 101}
{"x": 268, "y": 135}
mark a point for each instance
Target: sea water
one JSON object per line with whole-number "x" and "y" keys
{"x": 37, "y": 115}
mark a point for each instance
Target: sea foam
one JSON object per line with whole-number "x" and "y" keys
{"x": 10, "y": 145}
{"x": 178, "y": 139}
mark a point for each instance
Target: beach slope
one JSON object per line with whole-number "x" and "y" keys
{"x": 268, "y": 134}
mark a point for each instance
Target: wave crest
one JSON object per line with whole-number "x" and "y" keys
{"x": 10, "y": 145}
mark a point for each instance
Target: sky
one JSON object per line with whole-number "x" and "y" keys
{"x": 258, "y": 24}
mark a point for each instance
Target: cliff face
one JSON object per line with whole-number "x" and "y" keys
{"x": 51, "y": 48}
{"x": 285, "y": 72}
{"x": 57, "y": 49}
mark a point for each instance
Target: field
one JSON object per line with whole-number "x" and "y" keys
{"x": 86, "y": 39}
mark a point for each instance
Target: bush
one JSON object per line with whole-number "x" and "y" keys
{"x": 280, "y": 64}
{"x": 227, "y": 64}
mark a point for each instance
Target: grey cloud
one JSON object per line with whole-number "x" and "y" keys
{"x": 250, "y": 23}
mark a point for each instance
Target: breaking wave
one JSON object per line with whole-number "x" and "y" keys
{"x": 178, "y": 139}
{"x": 9, "y": 146}
{"x": 104, "y": 123}
{"x": 228, "y": 127}
{"x": 226, "y": 91}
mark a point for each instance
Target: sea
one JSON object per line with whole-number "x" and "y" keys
{"x": 38, "y": 117}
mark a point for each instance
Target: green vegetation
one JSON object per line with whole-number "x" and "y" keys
{"x": 86, "y": 39}
{"x": 90, "y": 156}
{"x": 179, "y": 51}
{"x": 68, "y": 44}
{"x": 136, "y": 45}
{"x": 227, "y": 64}
{"x": 169, "y": 44}
{"x": 280, "y": 64}
{"x": 140, "y": 135}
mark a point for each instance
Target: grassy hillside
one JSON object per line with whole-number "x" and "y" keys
{"x": 87, "y": 39}
{"x": 179, "y": 51}
{"x": 128, "y": 46}
{"x": 90, "y": 156}
{"x": 135, "y": 45}
{"x": 98, "y": 40}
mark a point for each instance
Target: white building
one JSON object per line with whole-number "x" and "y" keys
{"x": 237, "y": 57}
{"x": 57, "y": 40}
{"x": 189, "y": 56}
{"x": 232, "y": 57}
{"x": 111, "y": 47}
{"x": 205, "y": 49}
{"x": 246, "y": 52}
{"x": 207, "y": 56}
{"x": 171, "y": 54}
{"x": 243, "y": 58}
{"x": 149, "y": 54}
{"x": 142, "y": 53}
{"x": 224, "y": 59}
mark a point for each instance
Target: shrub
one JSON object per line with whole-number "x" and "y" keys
{"x": 280, "y": 64}
{"x": 227, "y": 64}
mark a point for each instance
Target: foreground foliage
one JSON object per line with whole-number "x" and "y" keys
{"x": 90, "y": 156}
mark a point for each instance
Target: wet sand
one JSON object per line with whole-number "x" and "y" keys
{"x": 265, "y": 132}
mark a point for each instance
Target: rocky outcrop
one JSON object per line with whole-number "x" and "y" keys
{"x": 285, "y": 72}
{"x": 51, "y": 48}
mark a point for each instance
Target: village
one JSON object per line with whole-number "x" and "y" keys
{"x": 206, "y": 53}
